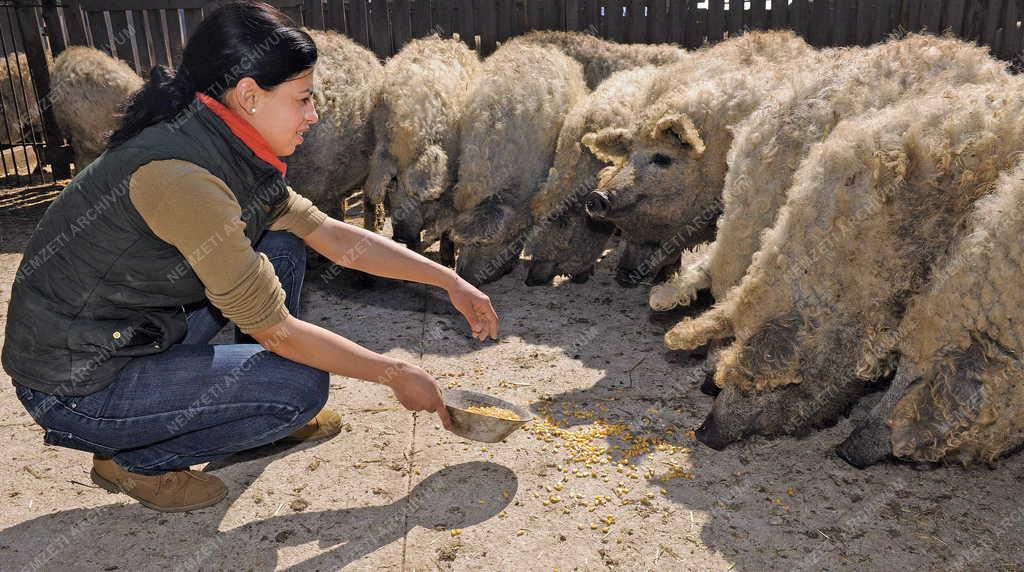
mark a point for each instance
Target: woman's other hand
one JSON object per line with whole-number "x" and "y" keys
{"x": 418, "y": 391}
{"x": 476, "y": 307}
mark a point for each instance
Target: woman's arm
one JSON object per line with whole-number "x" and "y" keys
{"x": 360, "y": 249}
{"x": 311, "y": 345}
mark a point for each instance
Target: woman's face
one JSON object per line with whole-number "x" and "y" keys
{"x": 283, "y": 114}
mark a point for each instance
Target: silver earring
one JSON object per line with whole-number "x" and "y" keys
{"x": 253, "y": 110}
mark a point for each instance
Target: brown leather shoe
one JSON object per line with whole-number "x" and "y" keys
{"x": 325, "y": 425}
{"x": 173, "y": 491}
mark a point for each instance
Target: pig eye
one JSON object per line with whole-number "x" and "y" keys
{"x": 661, "y": 160}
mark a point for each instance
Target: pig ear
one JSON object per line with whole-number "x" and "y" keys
{"x": 490, "y": 222}
{"x": 679, "y": 130}
{"x": 609, "y": 145}
{"x": 379, "y": 182}
{"x": 429, "y": 174}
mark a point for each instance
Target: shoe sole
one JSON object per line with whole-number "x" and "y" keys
{"x": 112, "y": 487}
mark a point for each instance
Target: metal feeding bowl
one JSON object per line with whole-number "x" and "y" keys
{"x": 477, "y": 426}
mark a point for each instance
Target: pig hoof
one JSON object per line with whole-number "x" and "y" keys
{"x": 708, "y": 387}
{"x": 582, "y": 277}
{"x": 627, "y": 278}
{"x": 530, "y": 281}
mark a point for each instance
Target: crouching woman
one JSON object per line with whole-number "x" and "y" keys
{"x": 185, "y": 223}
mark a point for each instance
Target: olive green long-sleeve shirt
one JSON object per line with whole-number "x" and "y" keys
{"x": 190, "y": 208}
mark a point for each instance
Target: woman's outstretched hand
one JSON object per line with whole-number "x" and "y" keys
{"x": 476, "y": 307}
{"x": 418, "y": 391}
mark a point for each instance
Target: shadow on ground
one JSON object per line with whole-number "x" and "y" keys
{"x": 194, "y": 540}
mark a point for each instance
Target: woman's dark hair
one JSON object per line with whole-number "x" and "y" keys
{"x": 236, "y": 40}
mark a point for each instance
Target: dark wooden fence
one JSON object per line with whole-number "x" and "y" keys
{"x": 145, "y": 33}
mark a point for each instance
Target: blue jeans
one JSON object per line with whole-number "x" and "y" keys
{"x": 194, "y": 402}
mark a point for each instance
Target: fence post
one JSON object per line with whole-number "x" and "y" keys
{"x": 54, "y": 152}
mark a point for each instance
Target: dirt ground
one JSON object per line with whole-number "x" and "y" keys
{"x": 395, "y": 492}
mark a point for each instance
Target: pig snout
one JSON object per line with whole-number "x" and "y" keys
{"x": 869, "y": 444}
{"x": 598, "y": 204}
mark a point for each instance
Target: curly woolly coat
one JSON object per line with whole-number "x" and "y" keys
{"x": 769, "y": 146}
{"x": 88, "y": 89}
{"x": 601, "y": 58}
{"x": 873, "y": 210}
{"x": 333, "y": 161}
{"x": 959, "y": 393}
{"x": 509, "y": 131}
{"x": 416, "y": 122}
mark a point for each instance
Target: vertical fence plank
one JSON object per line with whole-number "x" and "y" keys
{"x": 54, "y": 151}
{"x": 882, "y": 21}
{"x": 1011, "y": 34}
{"x": 157, "y": 38}
{"x": 657, "y": 22}
{"x": 758, "y": 14}
{"x": 615, "y": 23}
{"x": 571, "y": 10}
{"x": 401, "y": 23}
{"x": 734, "y": 21}
{"x": 798, "y": 16}
{"x": 716, "y": 20}
{"x": 334, "y": 16}
{"x": 174, "y": 36}
{"x": 553, "y": 15}
{"x": 636, "y": 22}
{"x": 98, "y": 31}
{"x": 844, "y": 23}
{"x": 912, "y": 15}
{"x": 780, "y": 14}
{"x": 487, "y": 16}
{"x": 520, "y": 18}
{"x": 931, "y": 15}
{"x": 678, "y": 12}
{"x": 953, "y": 16}
{"x": 75, "y": 23}
{"x": 974, "y": 15}
{"x": 442, "y": 11}
{"x": 380, "y": 29}
{"x": 137, "y": 21}
{"x": 359, "y": 22}
{"x": 122, "y": 36}
{"x": 53, "y": 30}
{"x": 465, "y": 22}
{"x": 506, "y": 17}
{"x": 865, "y": 21}
{"x": 419, "y": 19}
{"x": 193, "y": 16}
{"x": 993, "y": 10}
{"x": 313, "y": 14}
{"x": 694, "y": 31}
{"x": 820, "y": 24}
{"x": 590, "y": 17}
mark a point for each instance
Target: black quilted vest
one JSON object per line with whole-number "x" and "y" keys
{"x": 96, "y": 287}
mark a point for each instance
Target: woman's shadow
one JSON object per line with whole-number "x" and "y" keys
{"x": 106, "y": 535}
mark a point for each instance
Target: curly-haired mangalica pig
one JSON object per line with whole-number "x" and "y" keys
{"x": 416, "y": 120}
{"x": 958, "y": 395}
{"x": 89, "y": 87}
{"x": 873, "y": 210}
{"x": 509, "y": 131}
{"x": 664, "y": 186}
{"x": 769, "y": 146}
{"x": 334, "y": 160}
{"x": 564, "y": 240}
